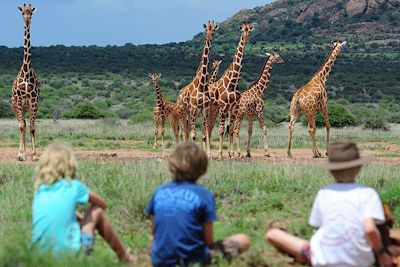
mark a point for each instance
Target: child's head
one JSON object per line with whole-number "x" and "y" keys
{"x": 187, "y": 162}
{"x": 344, "y": 161}
{"x": 57, "y": 161}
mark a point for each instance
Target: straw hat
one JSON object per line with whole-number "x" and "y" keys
{"x": 344, "y": 155}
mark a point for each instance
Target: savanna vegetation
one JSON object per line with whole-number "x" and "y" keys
{"x": 100, "y": 98}
{"x": 248, "y": 197}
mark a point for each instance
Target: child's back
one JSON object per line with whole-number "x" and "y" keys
{"x": 339, "y": 212}
{"x": 180, "y": 209}
{"x": 183, "y": 213}
{"x": 54, "y": 217}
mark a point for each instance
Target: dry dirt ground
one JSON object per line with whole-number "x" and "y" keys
{"x": 278, "y": 156}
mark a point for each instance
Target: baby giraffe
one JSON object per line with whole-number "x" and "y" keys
{"x": 163, "y": 110}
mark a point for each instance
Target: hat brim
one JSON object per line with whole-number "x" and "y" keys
{"x": 347, "y": 164}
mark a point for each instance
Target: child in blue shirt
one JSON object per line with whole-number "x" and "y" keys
{"x": 183, "y": 212}
{"x": 56, "y": 225}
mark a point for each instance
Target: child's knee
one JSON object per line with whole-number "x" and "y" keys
{"x": 96, "y": 210}
{"x": 272, "y": 235}
{"x": 242, "y": 241}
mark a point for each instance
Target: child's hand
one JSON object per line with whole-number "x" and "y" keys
{"x": 385, "y": 259}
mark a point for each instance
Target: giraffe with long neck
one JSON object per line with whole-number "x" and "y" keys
{"x": 251, "y": 104}
{"x": 224, "y": 93}
{"x": 193, "y": 97}
{"x": 312, "y": 98}
{"x": 211, "y": 79}
{"x": 163, "y": 110}
{"x": 25, "y": 89}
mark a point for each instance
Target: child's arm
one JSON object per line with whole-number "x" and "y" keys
{"x": 97, "y": 200}
{"x": 374, "y": 239}
{"x": 152, "y": 228}
{"x": 208, "y": 233}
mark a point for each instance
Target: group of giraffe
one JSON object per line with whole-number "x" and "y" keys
{"x": 204, "y": 94}
{"x": 220, "y": 97}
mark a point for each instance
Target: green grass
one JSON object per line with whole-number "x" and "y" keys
{"x": 248, "y": 196}
{"x": 116, "y": 133}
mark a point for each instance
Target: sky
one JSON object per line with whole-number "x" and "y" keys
{"x": 114, "y": 22}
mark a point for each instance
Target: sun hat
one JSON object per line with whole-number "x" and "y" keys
{"x": 344, "y": 155}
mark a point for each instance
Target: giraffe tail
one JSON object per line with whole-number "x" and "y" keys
{"x": 279, "y": 120}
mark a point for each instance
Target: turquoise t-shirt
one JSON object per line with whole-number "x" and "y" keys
{"x": 54, "y": 224}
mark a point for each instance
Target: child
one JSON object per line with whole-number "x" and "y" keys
{"x": 57, "y": 226}
{"x": 346, "y": 214}
{"x": 183, "y": 213}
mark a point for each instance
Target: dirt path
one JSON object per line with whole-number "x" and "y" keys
{"x": 278, "y": 156}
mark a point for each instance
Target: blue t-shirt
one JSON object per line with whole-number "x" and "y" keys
{"x": 54, "y": 224}
{"x": 179, "y": 211}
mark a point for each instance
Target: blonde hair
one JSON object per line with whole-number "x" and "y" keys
{"x": 57, "y": 161}
{"x": 187, "y": 162}
{"x": 346, "y": 175}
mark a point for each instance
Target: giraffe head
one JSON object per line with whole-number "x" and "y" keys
{"x": 210, "y": 27}
{"x": 27, "y": 11}
{"x": 154, "y": 77}
{"x": 216, "y": 63}
{"x": 338, "y": 45}
{"x": 276, "y": 58}
{"x": 246, "y": 28}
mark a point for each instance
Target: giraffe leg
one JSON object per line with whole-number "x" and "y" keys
{"x": 327, "y": 126}
{"x": 183, "y": 119}
{"x": 32, "y": 132}
{"x": 156, "y": 123}
{"x": 249, "y": 133}
{"x": 265, "y": 132}
{"x": 236, "y": 132}
{"x": 162, "y": 133}
{"x": 312, "y": 130}
{"x": 175, "y": 127}
{"x": 173, "y": 121}
{"x": 232, "y": 120}
{"x": 222, "y": 116}
{"x": 206, "y": 130}
{"x": 192, "y": 121}
{"x": 22, "y": 143}
{"x": 293, "y": 119}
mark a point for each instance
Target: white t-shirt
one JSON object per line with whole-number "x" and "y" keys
{"x": 339, "y": 211}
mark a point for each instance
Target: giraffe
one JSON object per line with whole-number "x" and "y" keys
{"x": 25, "y": 89}
{"x": 192, "y": 98}
{"x": 251, "y": 104}
{"x": 223, "y": 93}
{"x": 163, "y": 110}
{"x": 211, "y": 79}
{"x": 311, "y": 98}
{"x": 214, "y": 71}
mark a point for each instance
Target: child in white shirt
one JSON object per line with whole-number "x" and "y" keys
{"x": 345, "y": 213}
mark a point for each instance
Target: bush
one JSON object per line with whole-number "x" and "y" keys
{"x": 376, "y": 123}
{"x": 141, "y": 117}
{"x": 338, "y": 117}
{"x": 5, "y": 109}
{"x": 84, "y": 111}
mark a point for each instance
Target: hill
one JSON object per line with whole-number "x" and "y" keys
{"x": 321, "y": 21}
{"x": 114, "y": 78}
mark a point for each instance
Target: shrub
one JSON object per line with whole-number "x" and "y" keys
{"x": 5, "y": 109}
{"x": 84, "y": 111}
{"x": 338, "y": 117}
{"x": 141, "y": 117}
{"x": 376, "y": 123}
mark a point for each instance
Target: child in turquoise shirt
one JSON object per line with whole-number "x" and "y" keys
{"x": 56, "y": 225}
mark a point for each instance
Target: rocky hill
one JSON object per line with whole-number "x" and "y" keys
{"x": 320, "y": 20}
